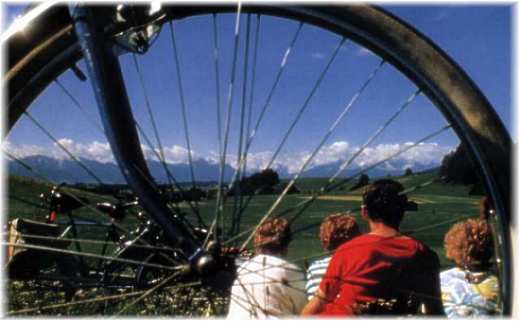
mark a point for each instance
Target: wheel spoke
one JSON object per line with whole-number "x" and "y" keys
{"x": 320, "y": 145}
{"x": 28, "y": 202}
{"x": 376, "y": 134}
{"x": 250, "y": 299}
{"x": 183, "y": 106}
{"x": 49, "y": 181}
{"x": 249, "y": 118}
{"x": 79, "y": 200}
{"x": 75, "y": 303}
{"x": 217, "y": 82}
{"x": 218, "y": 217}
{"x": 356, "y": 209}
{"x": 330, "y": 187}
{"x": 252, "y": 92}
{"x": 76, "y": 103}
{"x": 148, "y": 293}
{"x": 160, "y": 154}
{"x": 170, "y": 176}
{"x": 157, "y": 287}
{"x": 306, "y": 103}
{"x": 338, "y": 120}
{"x": 219, "y": 205}
{"x": 152, "y": 184}
{"x": 397, "y": 153}
{"x": 283, "y": 63}
{"x": 92, "y": 241}
{"x": 342, "y": 182}
{"x": 91, "y": 255}
{"x": 162, "y": 158}
{"x": 281, "y": 69}
{"x": 344, "y": 165}
{"x": 272, "y": 280}
{"x": 290, "y": 129}
{"x": 442, "y": 223}
{"x": 304, "y": 106}
{"x": 63, "y": 148}
{"x": 245, "y": 303}
{"x": 236, "y": 190}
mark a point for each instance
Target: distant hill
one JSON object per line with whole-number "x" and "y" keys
{"x": 70, "y": 172}
{"x": 315, "y": 183}
{"x": 392, "y": 167}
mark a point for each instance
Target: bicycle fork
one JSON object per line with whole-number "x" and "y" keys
{"x": 107, "y": 81}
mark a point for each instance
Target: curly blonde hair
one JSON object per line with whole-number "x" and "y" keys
{"x": 469, "y": 244}
{"x": 337, "y": 228}
{"x": 273, "y": 235}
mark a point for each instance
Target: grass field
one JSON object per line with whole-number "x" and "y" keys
{"x": 440, "y": 206}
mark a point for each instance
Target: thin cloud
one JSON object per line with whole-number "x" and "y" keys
{"x": 425, "y": 154}
{"x": 98, "y": 151}
{"x": 21, "y": 151}
{"x": 318, "y": 55}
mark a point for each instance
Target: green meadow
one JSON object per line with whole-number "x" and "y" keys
{"x": 439, "y": 206}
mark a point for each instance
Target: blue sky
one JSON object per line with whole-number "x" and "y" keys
{"x": 477, "y": 37}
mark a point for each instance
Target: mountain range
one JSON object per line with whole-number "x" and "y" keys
{"x": 68, "y": 171}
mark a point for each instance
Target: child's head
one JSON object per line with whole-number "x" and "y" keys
{"x": 273, "y": 236}
{"x": 469, "y": 244}
{"x": 336, "y": 229}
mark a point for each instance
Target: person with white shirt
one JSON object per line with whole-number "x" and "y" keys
{"x": 268, "y": 286}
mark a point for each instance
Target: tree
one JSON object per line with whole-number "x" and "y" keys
{"x": 456, "y": 167}
{"x": 194, "y": 194}
{"x": 362, "y": 181}
{"x": 265, "y": 178}
{"x": 259, "y": 183}
{"x": 408, "y": 172}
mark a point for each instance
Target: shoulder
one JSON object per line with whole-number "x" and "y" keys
{"x": 359, "y": 246}
{"x": 255, "y": 263}
{"x": 356, "y": 242}
{"x": 422, "y": 250}
{"x": 245, "y": 266}
{"x": 319, "y": 263}
{"x": 420, "y": 245}
{"x": 428, "y": 257}
{"x": 318, "y": 266}
{"x": 451, "y": 274}
{"x": 280, "y": 265}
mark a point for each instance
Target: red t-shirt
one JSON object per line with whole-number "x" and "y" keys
{"x": 370, "y": 267}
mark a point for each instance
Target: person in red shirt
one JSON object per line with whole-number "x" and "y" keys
{"x": 381, "y": 272}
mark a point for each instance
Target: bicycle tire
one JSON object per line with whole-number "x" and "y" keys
{"x": 34, "y": 61}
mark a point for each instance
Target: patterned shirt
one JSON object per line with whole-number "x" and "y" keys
{"x": 463, "y": 299}
{"x": 314, "y": 275}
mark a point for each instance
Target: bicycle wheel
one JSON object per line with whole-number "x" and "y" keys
{"x": 35, "y": 61}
